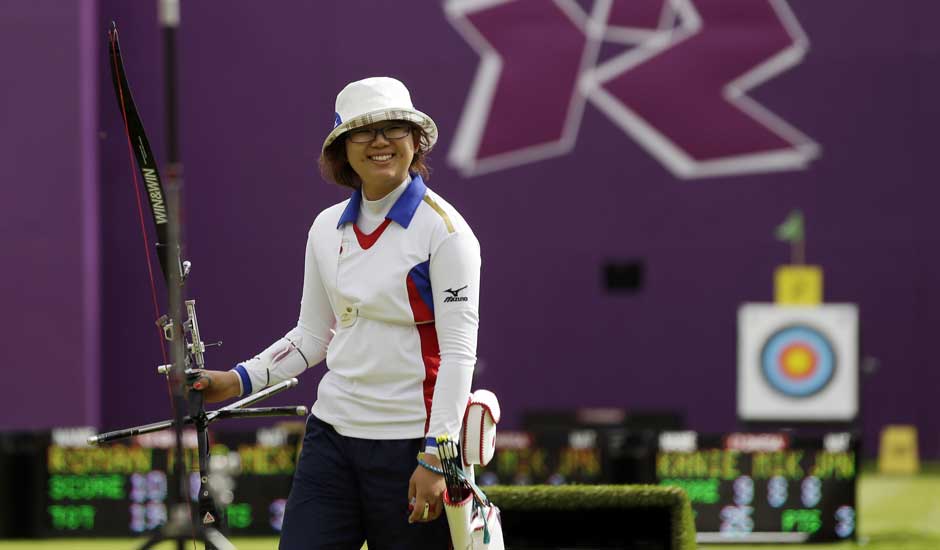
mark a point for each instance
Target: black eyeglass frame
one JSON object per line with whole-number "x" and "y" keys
{"x": 374, "y": 133}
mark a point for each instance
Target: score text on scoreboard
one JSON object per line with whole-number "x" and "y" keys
{"x": 771, "y": 487}
{"x": 122, "y": 489}
{"x": 551, "y": 458}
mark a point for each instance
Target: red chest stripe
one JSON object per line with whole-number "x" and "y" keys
{"x": 366, "y": 241}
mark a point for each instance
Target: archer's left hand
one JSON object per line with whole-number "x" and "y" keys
{"x": 426, "y": 487}
{"x": 215, "y": 385}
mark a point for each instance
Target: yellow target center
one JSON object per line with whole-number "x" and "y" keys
{"x": 798, "y": 361}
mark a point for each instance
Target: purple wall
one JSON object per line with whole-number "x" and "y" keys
{"x": 257, "y": 95}
{"x": 49, "y": 218}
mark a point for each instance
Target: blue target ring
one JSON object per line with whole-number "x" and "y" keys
{"x": 798, "y": 361}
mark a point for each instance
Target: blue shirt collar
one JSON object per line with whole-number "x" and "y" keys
{"x": 401, "y": 212}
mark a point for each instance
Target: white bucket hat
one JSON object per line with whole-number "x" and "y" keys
{"x": 376, "y": 99}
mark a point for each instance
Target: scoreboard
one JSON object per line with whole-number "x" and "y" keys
{"x": 773, "y": 487}
{"x": 122, "y": 489}
{"x": 744, "y": 487}
{"x": 554, "y": 458}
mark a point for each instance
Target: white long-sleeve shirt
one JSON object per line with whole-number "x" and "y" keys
{"x": 390, "y": 299}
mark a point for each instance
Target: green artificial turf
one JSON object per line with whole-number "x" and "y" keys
{"x": 244, "y": 543}
{"x": 895, "y": 513}
{"x": 579, "y": 497}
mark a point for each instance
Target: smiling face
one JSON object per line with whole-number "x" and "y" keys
{"x": 381, "y": 163}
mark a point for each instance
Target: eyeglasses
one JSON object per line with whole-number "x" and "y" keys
{"x": 366, "y": 135}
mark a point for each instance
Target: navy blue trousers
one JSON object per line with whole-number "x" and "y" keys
{"x": 348, "y": 490}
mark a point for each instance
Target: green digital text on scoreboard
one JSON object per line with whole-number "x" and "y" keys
{"x": 122, "y": 489}
{"x": 764, "y": 487}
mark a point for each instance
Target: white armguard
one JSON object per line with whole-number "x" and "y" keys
{"x": 478, "y": 434}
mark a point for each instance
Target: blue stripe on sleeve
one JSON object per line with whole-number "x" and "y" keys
{"x": 421, "y": 275}
{"x": 246, "y": 380}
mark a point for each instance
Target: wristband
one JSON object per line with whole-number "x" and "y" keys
{"x": 434, "y": 469}
{"x": 244, "y": 381}
{"x": 430, "y": 446}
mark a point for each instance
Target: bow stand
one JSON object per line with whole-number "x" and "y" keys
{"x": 183, "y": 336}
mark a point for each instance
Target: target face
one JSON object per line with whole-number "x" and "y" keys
{"x": 798, "y": 361}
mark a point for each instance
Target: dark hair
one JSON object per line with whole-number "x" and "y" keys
{"x": 335, "y": 167}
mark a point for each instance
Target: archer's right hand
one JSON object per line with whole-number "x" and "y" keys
{"x": 215, "y": 385}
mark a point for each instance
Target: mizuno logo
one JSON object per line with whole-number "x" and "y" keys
{"x": 156, "y": 195}
{"x": 455, "y": 295}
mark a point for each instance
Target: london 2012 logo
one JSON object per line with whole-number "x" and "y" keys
{"x": 673, "y": 75}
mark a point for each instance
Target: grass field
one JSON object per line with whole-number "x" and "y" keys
{"x": 895, "y": 513}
